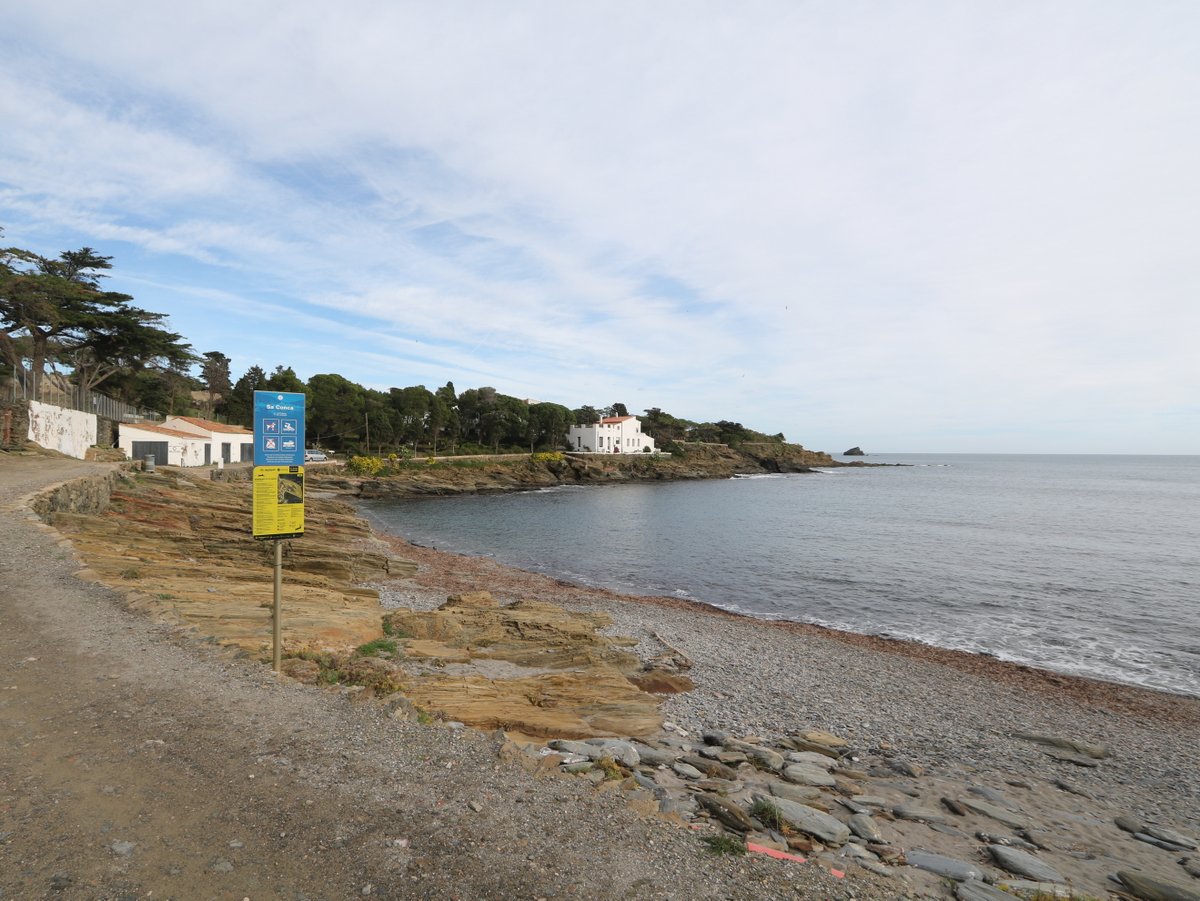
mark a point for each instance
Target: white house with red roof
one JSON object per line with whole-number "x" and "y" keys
{"x": 186, "y": 441}
{"x": 612, "y": 435}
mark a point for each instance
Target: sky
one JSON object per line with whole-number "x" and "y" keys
{"x": 909, "y": 226}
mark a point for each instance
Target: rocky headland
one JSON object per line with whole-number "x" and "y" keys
{"x": 524, "y": 472}
{"x": 867, "y": 768}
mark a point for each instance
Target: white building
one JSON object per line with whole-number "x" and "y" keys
{"x": 614, "y": 435}
{"x": 186, "y": 441}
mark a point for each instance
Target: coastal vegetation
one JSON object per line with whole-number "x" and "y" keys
{"x": 56, "y": 318}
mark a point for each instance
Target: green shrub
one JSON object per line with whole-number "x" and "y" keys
{"x": 725, "y": 844}
{"x": 376, "y": 647}
{"x": 391, "y": 630}
{"x": 768, "y": 814}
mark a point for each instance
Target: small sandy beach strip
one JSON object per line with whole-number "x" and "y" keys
{"x": 925, "y": 723}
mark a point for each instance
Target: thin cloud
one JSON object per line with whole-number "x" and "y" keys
{"x": 894, "y": 225}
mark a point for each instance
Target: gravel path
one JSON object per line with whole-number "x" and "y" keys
{"x": 134, "y": 764}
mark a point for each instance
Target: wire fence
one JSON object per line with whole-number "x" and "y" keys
{"x": 56, "y": 390}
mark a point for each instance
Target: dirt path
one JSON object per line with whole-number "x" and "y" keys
{"x": 134, "y": 765}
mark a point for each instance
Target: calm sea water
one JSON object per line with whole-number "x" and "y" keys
{"x": 1081, "y": 564}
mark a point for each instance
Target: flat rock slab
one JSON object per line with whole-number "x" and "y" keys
{"x": 1075, "y": 759}
{"x": 1145, "y": 888}
{"x": 979, "y": 891}
{"x": 807, "y": 774}
{"x": 865, "y": 827}
{"x": 1022, "y": 863}
{"x": 1170, "y": 835}
{"x": 1010, "y": 820}
{"x": 1088, "y": 749}
{"x": 809, "y": 820}
{"x": 918, "y": 814}
{"x": 812, "y": 758}
{"x": 759, "y": 756}
{"x": 801, "y": 794}
{"x": 726, "y": 811}
{"x": 949, "y": 867}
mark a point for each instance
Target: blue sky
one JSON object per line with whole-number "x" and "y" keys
{"x": 913, "y": 226}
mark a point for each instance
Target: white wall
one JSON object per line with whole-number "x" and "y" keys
{"x": 606, "y": 438}
{"x": 181, "y": 451}
{"x": 69, "y": 432}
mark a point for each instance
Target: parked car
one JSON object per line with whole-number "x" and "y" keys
{"x": 312, "y": 455}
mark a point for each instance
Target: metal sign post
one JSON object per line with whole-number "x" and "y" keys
{"x": 277, "y": 610}
{"x": 278, "y": 487}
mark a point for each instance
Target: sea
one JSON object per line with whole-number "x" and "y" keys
{"x": 1086, "y": 565}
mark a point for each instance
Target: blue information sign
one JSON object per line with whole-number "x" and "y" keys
{"x": 278, "y": 428}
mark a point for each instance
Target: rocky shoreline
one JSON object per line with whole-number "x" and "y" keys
{"x": 915, "y": 772}
{"x": 956, "y": 764}
{"x": 484, "y": 475}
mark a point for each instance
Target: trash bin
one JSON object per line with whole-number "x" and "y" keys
{"x": 148, "y": 463}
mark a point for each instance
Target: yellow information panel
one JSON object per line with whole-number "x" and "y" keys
{"x": 278, "y": 501}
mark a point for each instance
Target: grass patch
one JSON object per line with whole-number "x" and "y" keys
{"x": 610, "y": 768}
{"x": 165, "y": 596}
{"x": 724, "y": 844}
{"x": 391, "y": 630}
{"x": 768, "y": 814}
{"x": 376, "y": 648}
{"x": 130, "y": 573}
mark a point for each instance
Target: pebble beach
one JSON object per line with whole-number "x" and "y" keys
{"x": 928, "y": 723}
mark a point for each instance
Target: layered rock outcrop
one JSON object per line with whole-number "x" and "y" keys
{"x": 179, "y": 546}
{"x": 696, "y": 461}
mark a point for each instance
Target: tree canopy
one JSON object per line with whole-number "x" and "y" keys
{"x": 55, "y": 311}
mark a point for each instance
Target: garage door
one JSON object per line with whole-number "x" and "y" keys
{"x": 144, "y": 449}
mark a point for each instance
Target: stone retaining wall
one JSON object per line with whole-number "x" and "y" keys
{"x": 14, "y": 424}
{"x": 89, "y": 495}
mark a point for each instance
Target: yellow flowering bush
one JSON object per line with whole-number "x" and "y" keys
{"x": 365, "y": 466}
